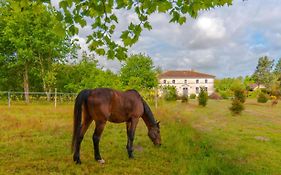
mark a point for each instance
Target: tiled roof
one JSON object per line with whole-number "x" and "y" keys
{"x": 184, "y": 74}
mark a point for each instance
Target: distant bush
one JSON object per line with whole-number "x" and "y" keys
{"x": 184, "y": 99}
{"x": 238, "y": 101}
{"x": 215, "y": 96}
{"x": 170, "y": 93}
{"x": 239, "y": 94}
{"x": 237, "y": 107}
{"x": 262, "y": 98}
{"x": 202, "y": 97}
{"x": 224, "y": 94}
{"x": 192, "y": 96}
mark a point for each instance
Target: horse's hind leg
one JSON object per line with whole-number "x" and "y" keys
{"x": 85, "y": 125}
{"x": 131, "y": 128}
{"x": 96, "y": 139}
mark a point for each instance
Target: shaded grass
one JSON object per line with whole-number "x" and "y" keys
{"x": 35, "y": 139}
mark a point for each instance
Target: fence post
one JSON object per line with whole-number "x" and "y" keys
{"x": 9, "y": 99}
{"x": 55, "y": 97}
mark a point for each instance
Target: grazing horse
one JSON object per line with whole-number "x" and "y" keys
{"x": 104, "y": 104}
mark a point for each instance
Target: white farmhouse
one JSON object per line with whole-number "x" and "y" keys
{"x": 187, "y": 82}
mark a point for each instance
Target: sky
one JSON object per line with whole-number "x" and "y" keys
{"x": 225, "y": 41}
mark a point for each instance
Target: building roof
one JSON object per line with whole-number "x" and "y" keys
{"x": 184, "y": 74}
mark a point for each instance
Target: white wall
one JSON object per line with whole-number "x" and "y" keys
{"x": 190, "y": 84}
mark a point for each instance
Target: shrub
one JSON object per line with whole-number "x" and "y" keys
{"x": 262, "y": 98}
{"x": 239, "y": 94}
{"x": 237, "y": 102}
{"x": 224, "y": 94}
{"x": 170, "y": 93}
{"x": 237, "y": 107}
{"x": 192, "y": 96}
{"x": 202, "y": 97}
{"x": 215, "y": 96}
{"x": 184, "y": 99}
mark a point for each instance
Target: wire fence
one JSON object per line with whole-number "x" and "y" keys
{"x": 11, "y": 98}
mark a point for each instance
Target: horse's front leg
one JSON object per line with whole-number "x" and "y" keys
{"x": 96, "y": 140}
{"x": 131, "y": 128}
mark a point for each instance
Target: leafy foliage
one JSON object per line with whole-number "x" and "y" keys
{"x": 237, "y": 107}
{"x": 104, "y": 19}
{"x": 138, "y": 73}
{"x": 238, "y": 101}
{"x": 263, "y": 70}
{"x": 262, "y": 98}
{"x": 202, "y": 97}
{"x": 192, "y": 96}
{"x": 170, "y": 93}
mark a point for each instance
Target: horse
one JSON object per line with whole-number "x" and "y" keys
{"x": 104, "y": 104}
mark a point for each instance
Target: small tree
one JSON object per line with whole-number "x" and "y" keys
{"x": 170, "y": 93}
{"x": 238, "y": 102}
{"x": 202, "y": 97}
{"x": 192, "y": 96}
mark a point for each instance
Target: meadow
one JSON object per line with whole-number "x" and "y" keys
{"x": 35, "y": 139}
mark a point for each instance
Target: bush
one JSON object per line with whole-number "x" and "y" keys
{"x": 237, "y": 107}
{"x": 262, "y": 98}
{"x": 239, "y": 94}
{"x": 215, "y": 96}
{"x": 184, "y": 99}
{"x": 170, "y": 93}
{"x": 224, "y": 94}
{"x": 202, "y": 97}
{"x": 192, "y": 96}
{"x": 237, "y": 102}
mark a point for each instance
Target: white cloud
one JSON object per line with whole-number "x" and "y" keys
{"x": 224, "y": 41}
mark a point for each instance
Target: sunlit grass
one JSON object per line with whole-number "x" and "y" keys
{"x": 35, "y": 139}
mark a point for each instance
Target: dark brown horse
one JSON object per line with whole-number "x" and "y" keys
{"x": 104, "y": 104}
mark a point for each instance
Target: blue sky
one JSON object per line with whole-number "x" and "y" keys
{"x": 225, "y": 42}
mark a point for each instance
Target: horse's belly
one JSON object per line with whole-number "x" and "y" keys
{"x": 117, "y": 119}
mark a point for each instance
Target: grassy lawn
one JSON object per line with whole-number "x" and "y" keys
{"x": 35, "y": 139}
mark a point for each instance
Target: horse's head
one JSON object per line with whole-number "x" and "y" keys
{"x": 154, "y": 134}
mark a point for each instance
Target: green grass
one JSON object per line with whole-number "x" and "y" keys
{"x": 35, "y": 139}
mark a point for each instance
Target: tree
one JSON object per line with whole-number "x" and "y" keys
{"x": 277, "y": 69}
{"x": 104, "y": 19}
{"x": 139, "y": 72}
{"x": 31, "y": 37}
{"x": 263, "y": 74}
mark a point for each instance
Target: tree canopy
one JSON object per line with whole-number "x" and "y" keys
{"x": 263, "y": 72}
{"x": 104, "y": 19}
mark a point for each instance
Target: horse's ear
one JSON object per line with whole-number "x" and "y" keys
{"x": 158, "y": 124}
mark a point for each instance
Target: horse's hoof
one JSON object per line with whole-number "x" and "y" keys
{"x": 101, "y": 161}
{"x": 78, "y": 162}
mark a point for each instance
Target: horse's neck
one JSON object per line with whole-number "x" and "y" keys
{"x": 148, "y": 122}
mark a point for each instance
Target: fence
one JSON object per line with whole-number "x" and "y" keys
{"x": 10, "y": 97}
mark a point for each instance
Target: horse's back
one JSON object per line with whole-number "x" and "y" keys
{"x": 113, "y": 105}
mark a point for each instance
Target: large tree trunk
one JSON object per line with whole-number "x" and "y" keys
{"x": 26, "y": 84}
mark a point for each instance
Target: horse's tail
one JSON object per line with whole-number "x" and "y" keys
{"x": 79, "y": 101}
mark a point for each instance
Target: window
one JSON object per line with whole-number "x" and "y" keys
{"x": 173, "y": 81}
{"x": 164, "y": 81}
{"x": 206, "y": 89}
{"x": 197, "y": 81}
{"x": 206, "y": 81}
{"x": 185, "y": 81}
{"x": 197, "y": 90}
